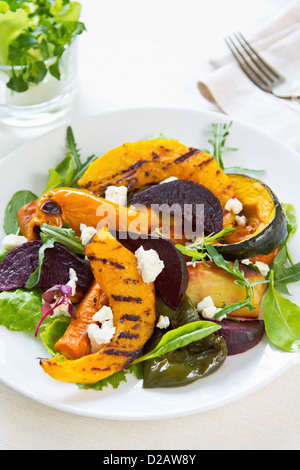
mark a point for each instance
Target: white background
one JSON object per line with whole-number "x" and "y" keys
{"x": 135, "y": 54}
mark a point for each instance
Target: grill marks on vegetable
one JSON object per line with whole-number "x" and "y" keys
{"x": 109, "y": 261}
{"x": 130, "y": 174}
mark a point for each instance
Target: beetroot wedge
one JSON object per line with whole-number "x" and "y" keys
{"x": 22, "y": 261}
{"x": 183, "y": 198}
{"x": 241, "y": 336}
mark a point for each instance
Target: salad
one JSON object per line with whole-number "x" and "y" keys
{"x": 154, "y": 259}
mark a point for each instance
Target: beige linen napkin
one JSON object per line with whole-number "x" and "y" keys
{"x": 278, "y": 40}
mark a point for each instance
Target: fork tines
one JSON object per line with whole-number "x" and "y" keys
{"x": 255, "y": 67}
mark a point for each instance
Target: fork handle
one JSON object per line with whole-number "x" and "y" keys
{"x": 287, "y": 90}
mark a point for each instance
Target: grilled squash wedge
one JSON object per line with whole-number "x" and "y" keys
{"x": 133, "y": 305}
{"x": 151, "y": 161}
{"x": 266, "y": 227}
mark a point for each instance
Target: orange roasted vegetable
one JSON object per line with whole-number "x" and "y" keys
{"x": 267, "y": 259}
{"x": 133, "y": 305}
{"x": 24, "y": 216}
{"x": 75, "y": 342}
{"x": 78, "y": 206}
{"x": 151, "y": 161}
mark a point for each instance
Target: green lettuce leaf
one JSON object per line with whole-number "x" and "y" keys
{"x": 12, "y": 24}
{"x": 20, "y": 310}
{"x": 53, "y": 331}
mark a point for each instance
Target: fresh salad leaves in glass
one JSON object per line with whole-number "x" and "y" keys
{"x": 32, "y": 33}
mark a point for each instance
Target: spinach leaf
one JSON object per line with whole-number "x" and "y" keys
{"x": 18, "y": 200}
{"x": 180, "y": 337}
{"x": 20, "y": 310}
{"x": 282, "y": 320}
{"x": 35, "y": 276}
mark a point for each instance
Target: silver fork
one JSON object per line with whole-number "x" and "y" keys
{"x": 259, "y": 71}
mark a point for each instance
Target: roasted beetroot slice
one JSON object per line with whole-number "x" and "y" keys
{"x": 172, "y": 282}
{"x": 22, "y": 261}
{"x": 241, "y": 335}
{"x": 177, "y": 195}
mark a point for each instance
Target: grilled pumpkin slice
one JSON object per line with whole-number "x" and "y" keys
{"x": 151, "y": 161}
{"x": 133, "y": 305}
{"x": 266, "y": 227}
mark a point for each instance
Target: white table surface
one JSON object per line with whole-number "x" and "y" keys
{"x": 136, "y": 54}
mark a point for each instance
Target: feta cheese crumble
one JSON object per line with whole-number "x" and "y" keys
{"x": 262, "y": 267}
{"x": 12, "y": 241}
{"x": 73, "y": 280}
{"x": 208, "y": 309}
{"x": 86, "y": 233}
{"x": 163, "y": 322}
{"x": 234, "y": 205}
{"x": 149, "y": 264}
{"x": 241, "y": 220}
{"x": 168, "y": 180}
{"x": 117, "y": 194}
{"x": 99, "y": 335}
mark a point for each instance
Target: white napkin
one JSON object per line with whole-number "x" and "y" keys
{"x": 278, "y": 40}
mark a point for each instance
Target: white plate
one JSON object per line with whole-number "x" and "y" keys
{"x": 27, "y": 168}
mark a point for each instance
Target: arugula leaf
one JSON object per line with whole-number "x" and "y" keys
{"x": 79, "y": 167}
{"x": 286, "y": 276}
{"x": 237, "y": 170}
{"x": 202, "y": 249}
{"x": 197, "y": 249}
{"x": 20, "y": 310}
{"x": 65, "y": 236}
{"x": 71, "y": 168}
{"x": 220, "y": 132}
{"x": 180, "y": 337}
{"x": 18, "y": 200}
{"x": 282, "y": 320}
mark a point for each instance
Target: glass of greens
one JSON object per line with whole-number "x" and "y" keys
{"x": 38, "y": 59}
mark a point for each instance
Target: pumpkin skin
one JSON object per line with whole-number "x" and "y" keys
{"x": 266, "y": 229}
